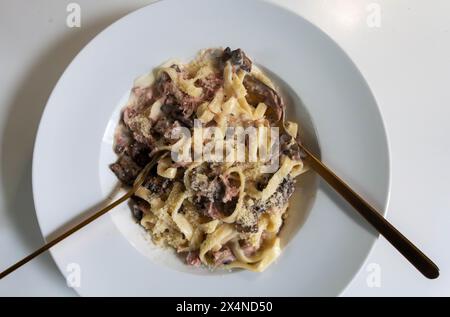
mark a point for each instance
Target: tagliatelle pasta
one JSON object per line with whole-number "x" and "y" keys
{"x": 224, "y": 203}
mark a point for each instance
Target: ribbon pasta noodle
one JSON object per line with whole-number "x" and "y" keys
{"x": 215, "y": 213}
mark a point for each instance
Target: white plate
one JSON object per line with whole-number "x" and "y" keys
{"x": 73, "y": 150}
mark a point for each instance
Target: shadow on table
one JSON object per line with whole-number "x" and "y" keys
{"x": 23, "y": 115}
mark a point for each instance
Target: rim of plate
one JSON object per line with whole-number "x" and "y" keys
{"x": 275, "y": 5}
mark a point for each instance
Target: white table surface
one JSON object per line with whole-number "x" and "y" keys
{"x": 406, "y": 62}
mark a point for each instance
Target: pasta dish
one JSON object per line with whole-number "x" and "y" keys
{"x": 214, "y": 205}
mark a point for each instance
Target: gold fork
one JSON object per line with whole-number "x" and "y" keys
{"x": 157, "y": 155}
{"x": 372, "y": 216}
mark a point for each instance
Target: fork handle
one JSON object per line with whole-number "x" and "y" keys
{"x": 384, "y": 227}
{"x": 67, "y": 233}
{"x": 138, "y": 182}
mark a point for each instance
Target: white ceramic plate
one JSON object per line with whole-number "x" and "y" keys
{"x": 327, "y": 95}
